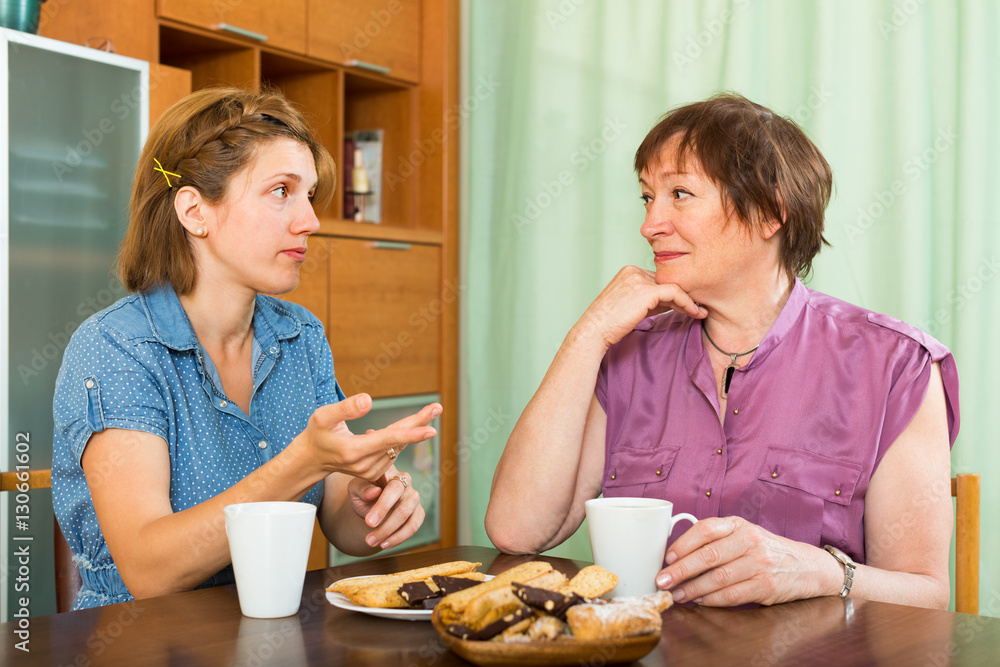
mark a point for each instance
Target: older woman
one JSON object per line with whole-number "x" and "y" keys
{"x": 198, "y": 391}
{"x": 811, "y": 436}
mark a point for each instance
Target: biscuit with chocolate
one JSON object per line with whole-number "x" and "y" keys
{"x": 551, "y": 602}
{"x": 513, "y": 617}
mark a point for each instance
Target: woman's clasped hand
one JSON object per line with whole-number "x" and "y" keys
{"x": 728, "y": 561}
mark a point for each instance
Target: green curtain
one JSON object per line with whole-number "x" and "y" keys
{"x": 900, "y": 95}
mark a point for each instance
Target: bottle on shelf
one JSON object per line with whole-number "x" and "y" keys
{"x": 359, "y": 184}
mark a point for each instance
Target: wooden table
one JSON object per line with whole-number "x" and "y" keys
{"x": 205, "y": 627}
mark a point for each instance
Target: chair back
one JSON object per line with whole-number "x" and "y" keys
{"x": 965, "y": 490}
{"x": 67, "y": 574}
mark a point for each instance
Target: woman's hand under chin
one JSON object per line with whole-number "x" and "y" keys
{"x": 631, "y": 296}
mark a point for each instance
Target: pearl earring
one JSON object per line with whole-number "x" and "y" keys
{"x": 200, "y": 231}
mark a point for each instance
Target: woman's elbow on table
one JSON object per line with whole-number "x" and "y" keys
{"x": 142, "y": 587}
{"x": 940, "y": 595}
{"x": 505, "y": 533}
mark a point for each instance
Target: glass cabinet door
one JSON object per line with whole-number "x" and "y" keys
{"x": 76, "y": 120}
{"x": 422, "y": 461}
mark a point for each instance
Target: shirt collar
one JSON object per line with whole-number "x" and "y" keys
{"x": 170, "y": 325}
{"x": 694, "y": 349}
{"x": 786, "y": 320}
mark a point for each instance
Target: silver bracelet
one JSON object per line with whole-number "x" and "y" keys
{"x": 849, "y": 567}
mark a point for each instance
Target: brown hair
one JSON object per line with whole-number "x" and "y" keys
{"x": 207, "y": 137}
{"x": 765, "y": 166}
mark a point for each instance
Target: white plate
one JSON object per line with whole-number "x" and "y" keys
{"x": 340, "y": 600}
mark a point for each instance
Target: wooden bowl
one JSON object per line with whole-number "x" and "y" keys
{"x": 565, "y": 651}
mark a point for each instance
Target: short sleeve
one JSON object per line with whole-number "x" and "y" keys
{"x": 915, "y": 356}
{"x": 103, "y": 383}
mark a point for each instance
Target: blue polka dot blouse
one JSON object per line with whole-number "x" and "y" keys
{"x": 137, "y": 365}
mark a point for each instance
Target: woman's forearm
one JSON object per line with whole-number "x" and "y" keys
{"x": 537, "y": 477}
{"x": 181, "y": 550}
{"x": 915, "y": 590}
{"x": 875, "y": 583}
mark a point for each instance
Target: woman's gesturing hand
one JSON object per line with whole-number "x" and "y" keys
{"x": 631, "y": 296}
{"x": 368, "y": 456}
{"x": 728, "y": 561}
{"x": 390, "y": 505}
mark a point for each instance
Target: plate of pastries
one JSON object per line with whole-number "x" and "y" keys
{"x": 530, "y": 614}
{"x": 409, "y": 595}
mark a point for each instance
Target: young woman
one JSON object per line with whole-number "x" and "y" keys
{"x": 197, "y": 391}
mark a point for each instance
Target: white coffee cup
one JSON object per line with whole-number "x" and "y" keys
{"x": 269, "y": 544}
{"x": 628, "y": 536}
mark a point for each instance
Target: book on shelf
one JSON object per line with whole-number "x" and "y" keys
{"x": 369, "y": 142}
{"x": 350, "y": 203}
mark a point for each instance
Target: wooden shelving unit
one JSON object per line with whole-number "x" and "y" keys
{"x": 363, "y": 288}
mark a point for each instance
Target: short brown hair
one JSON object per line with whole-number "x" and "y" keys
{"x": 207, "y": 137}
{"x": 765, "y": 166}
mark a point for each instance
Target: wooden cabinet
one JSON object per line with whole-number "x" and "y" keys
{"x": 385, "y": 312}
{"x": 281, "y": 25}
{"x": 127, "y": 27}
{"x": 166, "y": 86}
{"x": 382, "y": 304}
{"x": 383, "y": 35}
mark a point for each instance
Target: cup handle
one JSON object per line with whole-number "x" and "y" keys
{"x": 681, "y": 517}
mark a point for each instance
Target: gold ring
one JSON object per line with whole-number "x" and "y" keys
{"x": 392, "y": 453}
{"x": 402, "y": 480}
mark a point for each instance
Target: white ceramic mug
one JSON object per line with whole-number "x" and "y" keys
{"x": 269, "y": 543}
{"x": 629, "y": 537}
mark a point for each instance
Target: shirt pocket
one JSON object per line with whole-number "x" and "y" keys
{"x": 804, "y": 495}
{"x": 638, "y": 473}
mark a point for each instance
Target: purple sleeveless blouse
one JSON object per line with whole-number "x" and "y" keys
{"x": 807, "y": 422}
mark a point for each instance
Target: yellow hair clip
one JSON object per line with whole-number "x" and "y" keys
{"x": 166, "y": 174}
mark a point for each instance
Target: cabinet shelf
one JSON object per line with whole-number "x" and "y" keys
{"x": 212, "y": 60}
{"x": 380, "y": 232}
